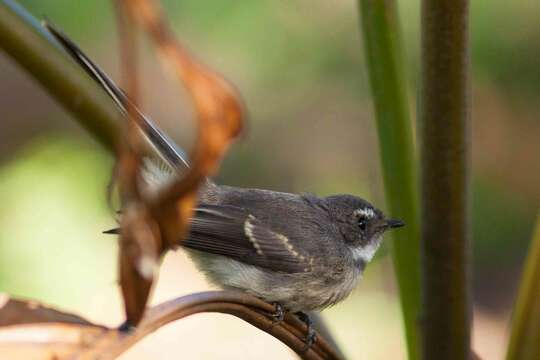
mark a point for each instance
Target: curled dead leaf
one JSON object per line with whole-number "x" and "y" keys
{"x": 219, "y": 114}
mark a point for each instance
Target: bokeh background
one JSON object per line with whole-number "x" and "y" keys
{"x": 300, "y": 67}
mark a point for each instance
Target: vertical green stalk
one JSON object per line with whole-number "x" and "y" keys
{"x": 386, "y": 65}
{"x": 525, "y": 336}
{"x": 444, "y": 153}
{"x": 26, "y": 42}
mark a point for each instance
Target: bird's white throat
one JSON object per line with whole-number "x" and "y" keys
{"x": 366, "y": 253}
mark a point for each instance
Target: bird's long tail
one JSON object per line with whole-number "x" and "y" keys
{"x": 167, "y": 150}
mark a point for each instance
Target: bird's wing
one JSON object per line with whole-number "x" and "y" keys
{"x": 167, "y": 150}
{"x": 233, "y": 232}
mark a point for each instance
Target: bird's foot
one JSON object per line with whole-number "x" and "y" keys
{"x": 311, "y": 336}
{"x": 278, "y": 314}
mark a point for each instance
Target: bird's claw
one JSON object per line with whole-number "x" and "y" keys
{"x": 278, "y": 314}
{"x": 311, "y": 336}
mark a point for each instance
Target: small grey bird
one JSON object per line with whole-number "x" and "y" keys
{"x": 300, "y": 251}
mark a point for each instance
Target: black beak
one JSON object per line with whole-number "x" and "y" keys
{"x": 394, "y": 223}
{"x": 114, "y": 231}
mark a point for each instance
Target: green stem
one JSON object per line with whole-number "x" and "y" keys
{"x": 444, "y": 133}
{"x": 26, "y": 42}
{"x": 525, "y": 335}
{"x": 386, "y": 65}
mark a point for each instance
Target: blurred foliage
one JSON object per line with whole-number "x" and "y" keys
{"x": 53, "y": 210}
{"x": 501, "y": 222}
{"x": 502, "y": 48}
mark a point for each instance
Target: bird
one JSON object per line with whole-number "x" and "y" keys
{"x": 300, "y": 252}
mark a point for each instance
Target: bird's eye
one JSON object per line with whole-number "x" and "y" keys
{"x": 363, "y": 216}
{"x": 362, "y": 223}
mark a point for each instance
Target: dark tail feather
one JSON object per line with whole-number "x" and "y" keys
{"x": 164, "y": 146}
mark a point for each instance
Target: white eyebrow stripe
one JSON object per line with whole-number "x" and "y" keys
{"x": 367, "y": 212}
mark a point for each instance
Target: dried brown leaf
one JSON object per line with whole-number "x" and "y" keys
{"x": 14, "y": 311}
{"x": 219, "y": 114}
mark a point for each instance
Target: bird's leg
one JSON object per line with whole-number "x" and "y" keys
{"x": 311, "y": 336}
{"x": 278, "y": 314}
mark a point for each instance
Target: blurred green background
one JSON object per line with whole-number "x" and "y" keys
{"x": 300, "y": 68}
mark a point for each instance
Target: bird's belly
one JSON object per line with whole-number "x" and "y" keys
{"x": 296, "y": 292}
{"x": 316, "y": 292}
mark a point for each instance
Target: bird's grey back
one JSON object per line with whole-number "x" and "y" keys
{"x": 298, "y": 217}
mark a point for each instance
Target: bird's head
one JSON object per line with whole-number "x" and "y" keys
{"x": 360, "y": 224}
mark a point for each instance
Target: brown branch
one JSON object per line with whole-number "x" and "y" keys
{"x": 246, "y": 307}
{"x": 84, "y": 340}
